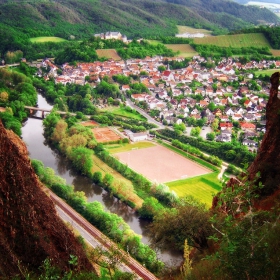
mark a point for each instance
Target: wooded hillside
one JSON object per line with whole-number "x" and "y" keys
{"x": 133, "y": 18}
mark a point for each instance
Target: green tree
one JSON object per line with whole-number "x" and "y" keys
{"x": 108, "y": 179}
{"x": 210, "y": 136}
{"x": 97, "y": 177}
{"x": 186, "y": 222}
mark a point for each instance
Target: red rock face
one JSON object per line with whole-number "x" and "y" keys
{"x": 267, "y": 161}
{"x": 30, "y": 230}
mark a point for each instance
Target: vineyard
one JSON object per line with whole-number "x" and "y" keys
{"x": 235, "y": 41}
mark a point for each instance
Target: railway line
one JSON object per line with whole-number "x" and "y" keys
{"x": 130, "y": 262}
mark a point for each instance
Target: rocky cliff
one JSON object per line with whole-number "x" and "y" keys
{"x": 267, "y": 161}
{"x": 30, "y": 230}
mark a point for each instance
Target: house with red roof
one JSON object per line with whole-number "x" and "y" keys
{"x": 247, "y": 126}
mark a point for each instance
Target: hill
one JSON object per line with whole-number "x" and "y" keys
{"x": 132, "y": 17}
{"x": 30, "y": 229}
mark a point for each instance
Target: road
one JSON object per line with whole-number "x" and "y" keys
{"x": 142, "y": 112}
{"x": 94, "y": 237}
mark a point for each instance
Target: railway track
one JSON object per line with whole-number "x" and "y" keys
{"x": 138, "y": 269}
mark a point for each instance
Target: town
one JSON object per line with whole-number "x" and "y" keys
{"x": 227, "y": 99}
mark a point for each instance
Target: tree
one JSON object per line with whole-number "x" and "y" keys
{"x": 180, "y": 127}
{"x": 4, "y": 96}
{"x": 210, "y": 136}
{"x": 60, "y": 131}
{"x": 97, "y": 177}
{"x": 108, "y": 179}
{"x": 195, "y": 131}
{"x": 186, "y": 222}
{"x": 211, "y": 106}
{"x": 215, "y": 124}
{"x": 161, "y": 68}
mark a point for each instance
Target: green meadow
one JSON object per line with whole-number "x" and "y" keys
{"x": 118, "y": 111}
{"x": 201, "y": 187}
{"x": 267, "y": 72}
{"x": 47, "y": 39}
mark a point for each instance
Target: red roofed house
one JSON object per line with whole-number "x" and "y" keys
{"x": 226, "y": 125}
{"x": 247, "y": 126}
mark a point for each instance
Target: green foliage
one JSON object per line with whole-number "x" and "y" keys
{"x": 246, "y": 235}
{"x": 110, "y": 224}
{"x": 81, "y": 158}
{"x": 183, "y": 222}
{"x": 216, "y": 51}
{"x": 144, "y": 49}
{"x": 150, "y": 208}
{"x": 11, "y": 122}
{"x": 219, "y": 149}
{"x": 271, "y": 33}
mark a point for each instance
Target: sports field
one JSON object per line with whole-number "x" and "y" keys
{"x": 108, "y": 53}
{"x": 161, "y": 165}
{"x": 105, "y": 134}
{"x": 47, "y": 39}
{"x": 89, "y": 123}
{"x": 201, "y": 187}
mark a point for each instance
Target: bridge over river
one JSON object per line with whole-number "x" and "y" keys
{"x": 36, "y": 109}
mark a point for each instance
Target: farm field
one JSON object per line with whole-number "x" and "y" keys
{"x": 200, "y": 187}
{"x": 185, "y": 49}
{"x": 275, "y": 52}
{"x": 119, "y": 180}
{"x": 119, "y": 148}
{"x": 161, "y": 165}
{"x": 105, "y": 134}
{"x": 235, "y": 41}
{"x": 47, "y": 39}
{"x": 108, "y": 53}
{"x": 123, "y": 113}
{"x": 186, "y": 29}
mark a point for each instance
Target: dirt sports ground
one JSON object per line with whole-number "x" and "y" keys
{"x": 105, "y": 134}
{"x": 102, "y": 134}
{"x": 161, "y": 165}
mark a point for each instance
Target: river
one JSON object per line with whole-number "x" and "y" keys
{"x": 32, "y": 135}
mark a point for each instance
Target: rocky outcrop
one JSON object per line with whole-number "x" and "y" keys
{"x": 30, "y": 230}
{"x": 267, "y": 161}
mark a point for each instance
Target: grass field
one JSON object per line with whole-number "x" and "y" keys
{"x": 184, "y": 49}
{"x": 200, "y": 187}
{"x": 99, "y": 165}
{"x": 235, "y": 41}
{"x": 267, "y": 72}
{"x": 123, "y": 113}
{"x": 109, "y": 53}
{"x": 119, "y": 148}
{"x": 47, "y": 39}
{"x": 187, "y": 29}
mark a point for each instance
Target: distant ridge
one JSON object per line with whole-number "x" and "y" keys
{"x": 135, "y": 18}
